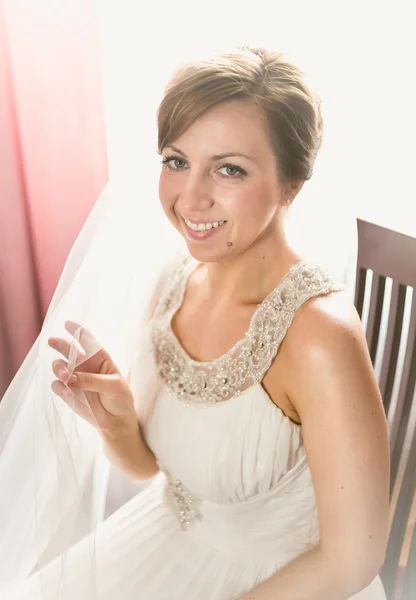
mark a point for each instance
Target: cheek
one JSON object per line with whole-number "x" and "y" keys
{"x": 252, "y": 205}
{"x": 166, "y": 191}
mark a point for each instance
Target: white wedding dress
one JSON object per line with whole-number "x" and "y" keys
{"x": 233, "y": 501}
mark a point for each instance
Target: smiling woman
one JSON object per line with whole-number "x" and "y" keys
{"x": 230, "y": 106}
{"x": 251, "y": 398}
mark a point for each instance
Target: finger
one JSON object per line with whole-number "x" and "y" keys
{"x": 86, "y": 339}
{"x": 60, "y": 369}
{"x": 60, "y": 345}
{"x": 102, "y": 384}
{"x": 64, "y": 347}
{"x": 79, "y": 406}
{"x": 60, "y": 389}
{"x": 72, "y": 326}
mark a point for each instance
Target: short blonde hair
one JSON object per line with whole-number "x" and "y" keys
{"x": 292, "y": 112}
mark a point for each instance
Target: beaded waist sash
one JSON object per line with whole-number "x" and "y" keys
{"x": 274, "y": 526}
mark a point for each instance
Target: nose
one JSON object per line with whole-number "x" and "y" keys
{"x": 196, "y": 195}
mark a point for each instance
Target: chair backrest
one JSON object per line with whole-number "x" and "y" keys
{"x": 385, "y": 299}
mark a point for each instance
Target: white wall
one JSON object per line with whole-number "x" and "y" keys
{"x": 358, "y": 56}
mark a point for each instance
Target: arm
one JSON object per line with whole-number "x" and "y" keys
{"x": 130, "y": 454}
{"x": 330, "y": 381}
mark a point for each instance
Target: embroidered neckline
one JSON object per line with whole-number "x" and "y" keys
{"x": 207, "y": 383}
{"x": 188, "y": 270}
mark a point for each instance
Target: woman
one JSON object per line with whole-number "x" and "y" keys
{"x": 264, "y": 431}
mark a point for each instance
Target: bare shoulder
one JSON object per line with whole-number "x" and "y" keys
{"x": 323, "y": 323}
{"x": 325, "y": 345}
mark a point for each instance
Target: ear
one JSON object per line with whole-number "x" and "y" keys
{"x": 293, "y": 189}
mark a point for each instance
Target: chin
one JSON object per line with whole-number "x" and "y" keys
{"x": 207, "y": 255}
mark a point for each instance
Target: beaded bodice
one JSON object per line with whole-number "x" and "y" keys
{"x": 247, "y": 454}
{"x": 207, "y": 383}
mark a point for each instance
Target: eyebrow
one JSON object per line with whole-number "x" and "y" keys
{"x": 215, "y": 157}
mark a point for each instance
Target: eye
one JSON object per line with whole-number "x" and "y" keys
{"x": 232, "y": 171}
{"x": 173, "y": 163}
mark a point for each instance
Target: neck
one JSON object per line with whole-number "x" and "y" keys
{"x": 248, "y": 277}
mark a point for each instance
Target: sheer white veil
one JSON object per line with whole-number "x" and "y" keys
{"x": 53, "y": 474}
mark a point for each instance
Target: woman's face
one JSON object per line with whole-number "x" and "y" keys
{"x": 219, "y": 184}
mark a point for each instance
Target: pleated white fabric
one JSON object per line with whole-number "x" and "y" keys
{"x": 234, "y": 500}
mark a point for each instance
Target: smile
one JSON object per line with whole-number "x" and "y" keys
{"x": 203, "y": 226}
{"x": 202, "y": 231}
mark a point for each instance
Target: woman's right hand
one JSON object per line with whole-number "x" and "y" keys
{"x": 110, "y": 406}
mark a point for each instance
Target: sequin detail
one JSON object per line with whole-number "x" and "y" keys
{"x": 184, "y": 504}
{"x": 204, "y": 384}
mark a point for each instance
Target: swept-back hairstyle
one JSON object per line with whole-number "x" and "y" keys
{"x": 292, "y": 111}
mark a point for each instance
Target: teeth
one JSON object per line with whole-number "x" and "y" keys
{"x": 204, "y": 226}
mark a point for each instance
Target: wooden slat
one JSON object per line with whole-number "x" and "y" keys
{"x": 374, "y": 314}
{"x": 392, "y": 344}
{"x": 409, "y": 585}
{"x": 405, "y": 397}
{"x": 401, "y": 523}
{"x": 360, "y": 291}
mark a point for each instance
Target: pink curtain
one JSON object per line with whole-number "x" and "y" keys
{"x": 53, "y": 162}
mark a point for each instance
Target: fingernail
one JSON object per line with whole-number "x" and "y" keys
{"x": 63, "y": 374}
{"x": 73, "y": 379}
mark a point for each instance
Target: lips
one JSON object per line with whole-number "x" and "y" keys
{"x": 210, "y": 228}
{"x": 202, "y": 221}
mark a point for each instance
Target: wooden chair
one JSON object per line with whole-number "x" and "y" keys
{"x": 385, "y": 299}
